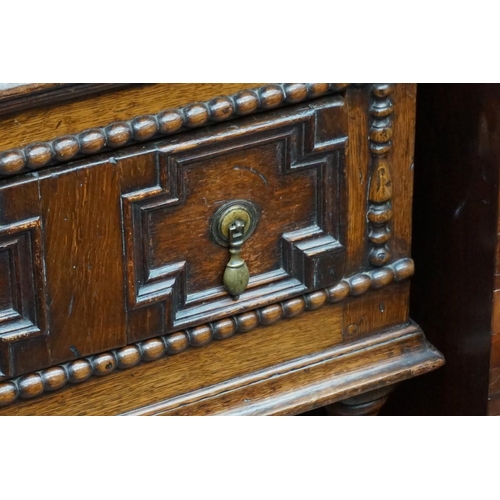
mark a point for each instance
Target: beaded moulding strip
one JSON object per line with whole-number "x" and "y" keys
{"x": 380, "y": 192}
{"x": 77, "y": 371}
{"x": 143, "y": 128}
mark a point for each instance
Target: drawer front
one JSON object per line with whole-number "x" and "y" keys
{"x": 289, "y": 165}
{"x": 118, "y": 248}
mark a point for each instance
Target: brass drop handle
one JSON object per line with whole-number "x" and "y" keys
{"x": 233, "y": 224}
{"x": 236, "y": 275}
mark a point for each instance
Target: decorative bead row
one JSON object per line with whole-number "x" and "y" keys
{"x": 143, "y": 128}
{"x": 380, "y": 191}
{"x": 75, "y": 372}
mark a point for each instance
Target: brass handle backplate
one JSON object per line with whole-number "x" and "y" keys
{"x": 232, "y": 224}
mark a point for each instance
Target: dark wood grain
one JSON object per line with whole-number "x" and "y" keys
{"x": 375, "y": 311}
{"x": 402, "y": 157}
{"x": 380, "y": 190}
{"x": 61, "y": 149}
{"x": 381, "y": 310}
{"x": 7, "y": 297}
{"x": 83, "y": 252}
{"x": 172, "y": 269}
{"x": 249, "y": 375}
{"x": 356, "y": 179}
{"x": 67, "y": 118}
{"x": 455, "y": 217}
{"x": 282, "y": 165}
{"x": 24, "y": 96}
{"x": 24, "y": 319}
{"x": 121, "y": 276}
{"x": 309, "y": 382}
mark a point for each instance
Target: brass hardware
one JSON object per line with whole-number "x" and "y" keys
{"x": 236, "y": 275}
{"x": 232, "y": 224}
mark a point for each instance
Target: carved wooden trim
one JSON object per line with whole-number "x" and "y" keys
{"x": 380, "y": 190}
{"x": 143, "y": 128}
{"x": 21, "y": 244}
{"x": 390, "y": 357}
{"x": 19, "y": 97}
{"x": 305, "y": 253}
{"x": 56, "y": 377}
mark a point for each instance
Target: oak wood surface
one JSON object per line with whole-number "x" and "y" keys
{"x": 194, "y": 369}
{"x": 455, "y": 225}
{"x": 403, "y": 156}
{"x": 22, "y": 96}
{"x": 318, "y": 383}
{"x": 385, "y": 308}
{"x": 103, "y": 364}
{"x": 118, "y": 134}
{"x": 19, "y": 210}
{"x": 387, "y": 361}
{"x": 357, "y": 178}
{"x": 100, "y": 297}
{"x": 41, "y": 124}
{"x": 125, "y": 269}
{"x": 83, "y": 260}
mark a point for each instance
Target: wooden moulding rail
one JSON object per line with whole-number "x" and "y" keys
{"x": 18, "y": 97}
{"x": 144, "y": 128}
{"x": 77, "y": 371}
{"x": 312, "y": 381}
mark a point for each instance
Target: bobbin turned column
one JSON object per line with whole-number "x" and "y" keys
{"x": 380, "y": 212}
{"x": 116, "y": 295}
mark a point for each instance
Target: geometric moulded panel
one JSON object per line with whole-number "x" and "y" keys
{"x": 22, "y": 298}
{"x": 291, "y": 168}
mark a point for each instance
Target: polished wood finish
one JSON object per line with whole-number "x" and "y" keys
{"x": 380, "y": 191}
{"x": 61, "y": 124}
{"x": 113, "y": 299}
{"x": 22, "y": 96}
{"x": 366, "y": 404}
{"x": 143, "y": 128}
{"x": 453, "y": 294}
{"x": 291, "y": 178}
{"x": 252, "y": 374}
{"x": 383, "y": 309}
